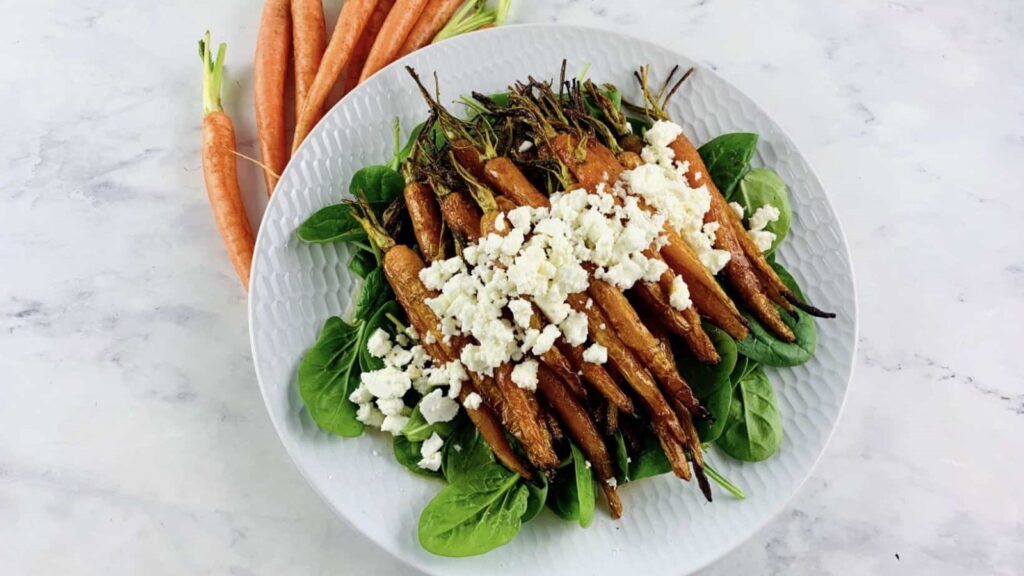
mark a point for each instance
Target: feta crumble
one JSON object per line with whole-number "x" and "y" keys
{"x": 758, "y": 221}
{"x": 430, "y": 453}
{"x": 472, "y": 401}
{"x": 525, "y": 375}
{"x": 595, "y": 354}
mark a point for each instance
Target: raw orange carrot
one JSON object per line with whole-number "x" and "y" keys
{"x": 366, "y": 40}
{"x": 219, "y": 166}
{"x": 268, "y": 78}
{"x": 434, "y": 17}
{"x": 309, "y": 38}
{"x": 394, "y": 31}
{"x": 351, "y": 22}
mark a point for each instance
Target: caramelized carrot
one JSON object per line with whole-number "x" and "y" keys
{"x": 522, "y": 416}
{"x": 426, "y": 220}
{"x": 220, "y": 169}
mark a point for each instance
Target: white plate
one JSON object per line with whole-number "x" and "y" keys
{"x": 667, "y": 527}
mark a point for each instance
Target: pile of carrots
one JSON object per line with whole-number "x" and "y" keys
{"x": 369, "y": 35}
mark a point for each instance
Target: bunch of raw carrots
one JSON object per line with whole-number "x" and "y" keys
{"x": 369, "y": 35}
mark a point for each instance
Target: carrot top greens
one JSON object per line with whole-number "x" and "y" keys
{"x": 213, "y": 74}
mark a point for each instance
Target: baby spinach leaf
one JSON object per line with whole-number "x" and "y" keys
{"x": 763, "y": 347}
{"x": 407, "y": 452}
{"x": 649, "y": 459}
{"x": 726, "y": 158}
{"x": 378, "y": 184}
{"x": 327, "y": 375}
{"x": 761, "y": 187}
{"x": 639, "y": 125}
{"x": 704, "y": 378}
{"x": 362, "y": 263}
{"x": 622, "y": 458}
{"x": 754, "y": 428}
{"x": 478, "y": 513}
{"x": 332, "y": 223}
{"x": 573, "y": 493}
{"x": 374, "y": 293}
{"x": 417, "y": 429}
{"x": 718, "y": 402}
{"x": 465, "y": 451}
{"x": 538, "y": 496}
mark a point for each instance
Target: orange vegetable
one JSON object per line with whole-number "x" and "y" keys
{"x": 392, "y": 34}
{"x": 269, "y": 76}
{"x": 309, "y": 39}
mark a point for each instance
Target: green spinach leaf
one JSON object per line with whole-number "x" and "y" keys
{"x": 573, "y": 496}
{"x": 763, "y": 347}
{"x": 374, "y": 293}
{"x": 538, "y": 496}
{"x": 478, "y": 513}
{"x": 761, "y": 187}
{"x": 622, "y": 458}
{"x": 332, "y": 223}
{"x": 465, "y": 451}
{"x": 327, "y": 375}
{"x": 649, "y": 460}
{"x": 726, "y": 158}
{"x": 753, "y": 431}
{"x": 417, "y": 429}
{"x": 378, "y": 184}
{"x": 407, "y": 452}
{"x": 718, "y": 402}
{"x": 362, "y": 263}
{"x": 704, "y": 378}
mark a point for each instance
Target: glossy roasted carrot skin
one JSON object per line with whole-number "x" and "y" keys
{"x": 269, "y": 77}
{"x": 401, "y": 268}
{"x": 220, "y": 172}
{"x": 598, "y": 377}
{"x": 309, "y": 39}
{"x": 461, "y": 214}
{"x": 507, "y": 178}
{"x": 583, "y": 431}
{"x": 425, "y": 215}
{"x": 522, "y": 416}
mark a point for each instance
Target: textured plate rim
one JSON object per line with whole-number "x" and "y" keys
{"x": 511, "y": 30}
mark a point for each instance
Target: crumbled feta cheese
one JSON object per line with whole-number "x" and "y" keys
{"x": 762, "y": 239}
{"x": 472, "y": 401}
{"x": 386, "y": 383}
{"x": 737, "y": 208}
{"x": 574, "y": 328}
{"x": 662, "y": 134}
{"x": 361, "y": 395}
{"x": 522, "y": 311}
{"x": 679, "y": 296}
{"x": 612, "y": 482}
{"x": 379, "y": 344}
{"x": 430, "y": 452}
{"x": 369, "y": 414}
{"x": 546, "y": 339}
{"x": 390, "y": 406}
{"x": 437, "y": 408}
{"x": 394, "y": 424}
{"x": 764, "y": 216}
{"x": 526, "y": 145}
{"x": 499, "y": 222}
{"x": 596, "y": 354}
{"x": 587, "y": 464}
{"x": 525, "y": 375}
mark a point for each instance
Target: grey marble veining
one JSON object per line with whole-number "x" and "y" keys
{"x": 132, "y": 435}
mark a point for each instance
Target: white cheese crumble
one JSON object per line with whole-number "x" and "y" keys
{"x": 596, "y": 354}
{"x": 679, "y": 296}
{"x": 525, "y": 375}
{"x": 437, "y": 408}
{"x": 612, "y": 482}
{"x": 760, "y": 219}
{"x": 430, "y": 453}
{"x": 526, "y": 145}
{"x": 472, "y": 401}
{"x": 737, "y": 208}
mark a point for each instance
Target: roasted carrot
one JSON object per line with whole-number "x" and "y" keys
{"x": 309, "y": 38}
{"x": 366, "y": 40}
{"x": 436, "y": 14}
{"x": 584, "y": 432}
{"x": 351, "y": 22}
{"x": 393, "y": 33}
{"x": 522, "y": 417}
{"x": 426, "y": 218}
{"x": 508, "y": 179}
{"x": 269, "y": 78}
{"x": 219, "y": 166}
{"x": 461, "y": 214}
{"x": 598, "y": 377}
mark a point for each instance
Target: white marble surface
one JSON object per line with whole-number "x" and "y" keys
{"x": 133, "y": 438}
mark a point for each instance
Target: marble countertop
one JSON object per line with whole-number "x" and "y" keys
{"x": 133, "y": 438}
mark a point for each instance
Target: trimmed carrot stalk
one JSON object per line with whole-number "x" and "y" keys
{"x": 393, "y": 33}
{"x": 366, "y": 40}
{"x": 269, "y": 77}
{"x": 522, "y": 416}
{"x": 584, "y": 432}
{"x": 220, "y": 170}
{"x": 401, "y": 268}
{"x": 508, "y": 179}
{"x": 426, "y": 220}
{"x": 351, "y": 22}
{"x": 309, "y": 39}
{"x": 434, "y": 17}
{"x": 598, "y": 377}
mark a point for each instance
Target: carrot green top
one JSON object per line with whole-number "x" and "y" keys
{"x": 213, "y": 74}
